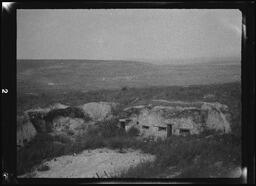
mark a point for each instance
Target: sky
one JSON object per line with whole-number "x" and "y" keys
{"x": 154, "y": 35}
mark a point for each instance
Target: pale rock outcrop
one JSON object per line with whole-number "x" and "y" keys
{"x": 98, "y": 111}
{"x": 218, "y": 117}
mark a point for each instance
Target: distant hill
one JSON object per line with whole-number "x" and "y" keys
{"x": 42, "y": 75}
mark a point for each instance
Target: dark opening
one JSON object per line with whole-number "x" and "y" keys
{"x": 161, "y": 128}
{"x": 145, "y": 127}
{"x": 169, "y": 130}
{"x": 122, "y": 124}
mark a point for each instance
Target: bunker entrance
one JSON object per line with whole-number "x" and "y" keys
{"x": 169, "y": 130}
{"x": 122, "y": 124}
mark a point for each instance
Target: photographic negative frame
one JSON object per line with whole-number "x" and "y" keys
{"x": 9, "y": 86}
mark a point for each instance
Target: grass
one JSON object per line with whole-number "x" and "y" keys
{"x": 177, "y": 151}
{"x": 42, "y": 147}
{"x": 193, "y": 155}
{"x": 228, "y": 93}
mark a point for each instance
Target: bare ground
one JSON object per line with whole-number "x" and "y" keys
{"x": 101, "y": 163}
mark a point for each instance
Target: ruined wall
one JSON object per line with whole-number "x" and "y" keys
{"x": 151, "y": 121}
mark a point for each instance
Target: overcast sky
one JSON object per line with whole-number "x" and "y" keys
{"x": 114, "y": 34}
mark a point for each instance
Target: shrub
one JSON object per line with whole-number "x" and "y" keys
{"x": 109, "y": 128}
{"x": 142, "y": 170}
{"x": 124, "y": 88}
{"x": 63, "y": 138}
{"x": 117, "y": 110}
{"x": 115, "y": 143}
{"x": 133, "y": 131}
{"x": 193, "y": 155}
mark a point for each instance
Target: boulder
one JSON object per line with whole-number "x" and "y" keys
{"x": 98, "y": 111}
{"x": 217, "y": 117}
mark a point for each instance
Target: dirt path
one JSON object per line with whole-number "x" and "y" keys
{"x": 95, "y": 163}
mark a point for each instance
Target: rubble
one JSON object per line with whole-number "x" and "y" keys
{"x": 61, "y": 118}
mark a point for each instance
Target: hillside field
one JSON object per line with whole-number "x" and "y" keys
{"x": 72, "y": 84}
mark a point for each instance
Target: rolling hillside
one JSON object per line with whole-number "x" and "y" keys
{"x": 35, "y": 76}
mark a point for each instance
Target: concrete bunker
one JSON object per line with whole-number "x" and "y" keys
{"x": 182, "y": 119}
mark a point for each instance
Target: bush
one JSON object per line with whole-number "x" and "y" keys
{"x": 42, "y": 147}
{"x": 109, "y": 128}
{"x": 124, "y": 88}
{"x": 194, "y": 156}
{"x": 63, "y": 138}
{"x": 133, "y": 131}
{"x": 115, "y": 143}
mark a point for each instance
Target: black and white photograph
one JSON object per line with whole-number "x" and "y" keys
{"x": 145, "y": 93}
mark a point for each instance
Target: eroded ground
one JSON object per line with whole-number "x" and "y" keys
{"x": 92, "y": 164}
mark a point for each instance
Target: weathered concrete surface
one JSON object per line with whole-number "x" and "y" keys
{"x": 195, "y": 117}
{"x": 98, "y": 111}
{"x": 103, "y": 163}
